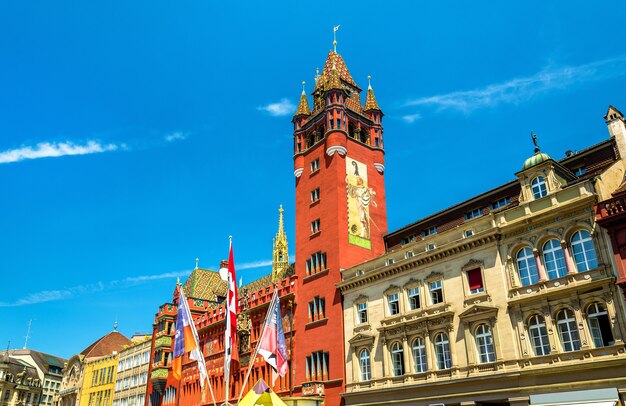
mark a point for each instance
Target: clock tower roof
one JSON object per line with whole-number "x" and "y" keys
{"x": 334, "y": 62}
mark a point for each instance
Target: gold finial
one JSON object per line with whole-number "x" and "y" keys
{"x": 197, "y": 262}
{"x": 303, "y": 83}
{"x": 115, "y": 326}
{"x": 335, "y": 28}
{"x": 369, "y": 81}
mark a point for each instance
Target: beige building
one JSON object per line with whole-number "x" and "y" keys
{"x": 508, "y": 298}
{"x": 49, "y": 370}
{"x": 74, "y": 377}
{"x": 132, "y": 372}
{"x": 19, "y": 382}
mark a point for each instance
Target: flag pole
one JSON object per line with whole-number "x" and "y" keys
{"x": 181, "y": 293}
{"x": 259, "y": 341}
{"x": 227, "y": 358}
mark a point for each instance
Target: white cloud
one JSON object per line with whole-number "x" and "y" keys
{"x": 282, "y": 108}
{"x": 175, "y": 136}
{"x": 78, "y": 290}
{"x": 520, "y": 89}
{"x": 54, "y": 149}
{"x": 411, "y": 118}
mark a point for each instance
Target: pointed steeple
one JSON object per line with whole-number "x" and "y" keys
{"x": 370, "y": 101}
{"x": 280, "y": 257}
{"x": 334, "y": 61}
{"x": 303, "y": 106}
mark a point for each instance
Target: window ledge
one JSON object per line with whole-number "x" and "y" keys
{"x": 315, "y": 234}
{"x": 315, "y": 275}
{"x": 316, "y": 323}
{"x": 314, "y": 172}
{"x": 314, "y": 202}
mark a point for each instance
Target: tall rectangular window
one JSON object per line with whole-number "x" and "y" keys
{"x": 414, "y": 298}
{"x": 475, "y": 280}
{"x": 393, "y": 302}
{"x": 436, "y": 292}
{"x": 317, "y": 309}
{"x": 315, "y": 226}
{"x": 317, "y": 366}
{"x": 315, "y": 165}
{"x": 361, "y": 310}
{"x": 315, "y": 195}
{"x": 316, "y": 263}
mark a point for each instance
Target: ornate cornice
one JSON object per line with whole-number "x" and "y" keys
{"x": 427, "y": 258}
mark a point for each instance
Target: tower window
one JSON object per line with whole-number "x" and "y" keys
{"x": 316, "y": 263}
{"x": 315, "y": 195}
{"x": 317, "y": 366}
{"x": 315, "y": 165}
{"x": 315, "y": 226}
{"x": 317, "y": 309}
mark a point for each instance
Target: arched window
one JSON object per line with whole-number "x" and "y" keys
{"x": 397, "y": 359}
{"x": 419, "y": 355}
{"x": 554, "y": 259}
{"x": 484, "y": 344}
{"x": 568, "y": 331}
{"x": 584, "y": 252}
{"x": 527, "y": 267}
{"x": 538, "y": 186}
{"x": 442, "y": 351}
{"x": 538, "y": 335}
{"x": 364, "y": 364}
{"x": 599, "y": 325}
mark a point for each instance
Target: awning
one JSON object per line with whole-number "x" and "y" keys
{"x": 591, "y": 397}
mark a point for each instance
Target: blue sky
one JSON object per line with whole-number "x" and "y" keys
{"x": 137, "y": 136}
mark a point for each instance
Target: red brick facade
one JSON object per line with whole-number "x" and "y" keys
{"x": 332, "y": 134}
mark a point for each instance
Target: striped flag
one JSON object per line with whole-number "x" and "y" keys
{"x": 273, "y": 346}
{"x": 232, "y": 309}
{"x": 186, "y": 340}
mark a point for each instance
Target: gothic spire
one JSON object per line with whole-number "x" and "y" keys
{"x": 370, "y": 101}
{"x": 303, "y": 106}
{"x": 280, "y": 257}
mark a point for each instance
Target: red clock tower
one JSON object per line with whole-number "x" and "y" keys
{"x": 341, "y": 217}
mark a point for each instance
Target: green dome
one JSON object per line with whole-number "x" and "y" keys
{"x": 536, "y": 159}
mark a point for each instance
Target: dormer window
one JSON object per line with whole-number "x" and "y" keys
{"x": 538, "y": 186}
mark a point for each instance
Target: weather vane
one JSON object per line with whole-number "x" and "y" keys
{"x": 335, "y": 29}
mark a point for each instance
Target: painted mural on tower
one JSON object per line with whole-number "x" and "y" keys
{"x": 360, "y": 197}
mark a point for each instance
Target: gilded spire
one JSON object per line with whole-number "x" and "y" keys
{"x": 370, "y": 101}
{"x": 334, "y": 81}
{"x": 303, "y": 106}
{"x": 280, "y": 257}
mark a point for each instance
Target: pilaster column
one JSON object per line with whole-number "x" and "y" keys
{"x": 540, "y": 269}
{"x": 430, "y": 365}
{"x": 493, "y": 322}
{"x": 453, "y": 353}
{"x": 569, "y": 263}
{"x": 406, "y": 355}
{"x": 471, "y": 356}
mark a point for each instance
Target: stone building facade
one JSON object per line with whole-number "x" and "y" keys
{"x": 19, "y": 382}
{"x": 499, "y": 299}
{"x": 49, "y": 370}
{"x": 132, "y": 373}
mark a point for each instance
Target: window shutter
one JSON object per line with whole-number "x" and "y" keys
{"x": 475, "y": 279}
